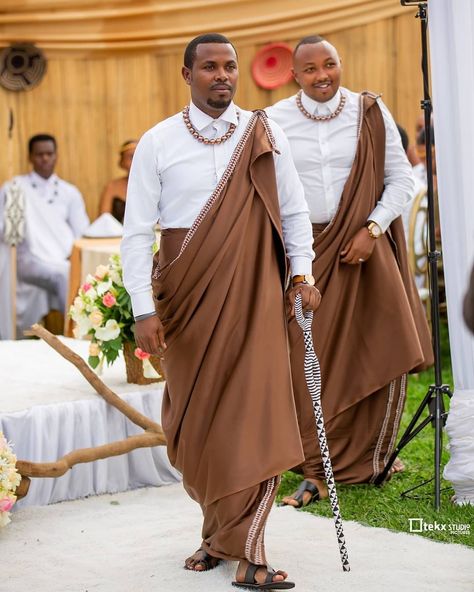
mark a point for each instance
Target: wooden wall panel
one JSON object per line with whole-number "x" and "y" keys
{"x": 94, "y": 102}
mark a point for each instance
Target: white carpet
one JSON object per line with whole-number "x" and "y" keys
{"x": 136, "y": 542}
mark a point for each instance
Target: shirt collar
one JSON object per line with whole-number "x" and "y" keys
{"x": 317, "y": 108}
{"x": 39, "y": 180}
{"x": 201, "y": 120}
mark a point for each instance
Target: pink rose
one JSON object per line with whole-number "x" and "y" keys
{"x": 86, "y": 287}
{"x": 6, "y": 504}
{"x": 109, "y": 300}
{"x": 140, "y": 354}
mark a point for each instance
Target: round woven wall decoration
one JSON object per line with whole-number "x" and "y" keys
{"x": 271, "y": 66}
{"x": 22, "y": 66}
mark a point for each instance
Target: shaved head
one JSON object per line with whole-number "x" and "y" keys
{"x": 317, "y": 68}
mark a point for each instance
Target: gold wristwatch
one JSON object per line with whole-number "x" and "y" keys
{"x": 374, "y": 229}
{"x": 303, "y": 279}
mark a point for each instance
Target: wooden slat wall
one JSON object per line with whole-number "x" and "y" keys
{"x": 93, "y": 103}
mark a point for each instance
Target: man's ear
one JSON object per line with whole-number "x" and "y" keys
{"x": 186, "y": 74}
{"x": 294, "y": 74}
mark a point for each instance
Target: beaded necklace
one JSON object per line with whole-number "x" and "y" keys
{"x": 309, "y": 115}
{"x": 200, "y": 138}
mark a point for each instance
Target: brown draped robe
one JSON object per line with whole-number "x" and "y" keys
{"x": 369, "y": 331}
{"x": 228, "y": 408}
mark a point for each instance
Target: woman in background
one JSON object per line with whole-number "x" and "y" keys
{"x": 114, "y": 195}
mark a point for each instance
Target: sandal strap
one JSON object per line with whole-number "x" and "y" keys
{"x": 250, "y": 573}
{"x": 307, "y": 486}
{"x": 270, "y": 573}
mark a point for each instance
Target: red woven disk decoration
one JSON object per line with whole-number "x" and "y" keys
{"x": 271, "y": 66}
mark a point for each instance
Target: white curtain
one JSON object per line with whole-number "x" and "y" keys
{"x": 451, "y": 28}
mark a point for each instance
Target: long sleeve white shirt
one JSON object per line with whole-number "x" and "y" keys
{"x": 172, "y": 177}
{"x": 324, "y": 152}
{"x": 55, "y": 215}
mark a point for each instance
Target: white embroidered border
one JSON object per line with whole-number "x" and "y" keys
{"x": 224, "y": 180}
{"x": 383, "y": 431}
{"x": 398, "y": 415}
{"x": 257, "y": 525}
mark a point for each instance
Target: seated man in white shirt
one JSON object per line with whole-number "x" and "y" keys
{"x": 370, "y": 329}
{"x": 55, "y": 216}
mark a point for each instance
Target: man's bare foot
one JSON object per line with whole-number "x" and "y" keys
{"x": 201, "y": 561}
{"x": 307, "y": 495}
{"x": 398, "y": 466}
{"x": 260, "y": 575}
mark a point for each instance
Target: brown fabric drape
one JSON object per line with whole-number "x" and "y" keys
{"x": 370, "y": 328}
{"x": 228, "y": 408}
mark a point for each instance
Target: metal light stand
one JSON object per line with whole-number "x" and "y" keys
{"x": 433, "y": 399}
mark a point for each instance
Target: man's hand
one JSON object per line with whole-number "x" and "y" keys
{"x": 150, "y": 336}
{"x": 359, "y": 248}
{"x": 310, "y": 298}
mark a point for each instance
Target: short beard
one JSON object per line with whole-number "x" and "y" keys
{"x": 223, "y": 104}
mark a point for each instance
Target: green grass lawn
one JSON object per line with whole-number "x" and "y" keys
{"x": 384, "y": 506}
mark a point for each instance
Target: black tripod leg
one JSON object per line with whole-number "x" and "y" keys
{"x": 438, "y": 447}
{"x": 408, "y": 434}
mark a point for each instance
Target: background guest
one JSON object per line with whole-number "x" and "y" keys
{"x": 115, "y": 192}
{"x": 55, "y": 217}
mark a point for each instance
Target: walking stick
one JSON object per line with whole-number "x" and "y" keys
{"x": 312, "y": 373}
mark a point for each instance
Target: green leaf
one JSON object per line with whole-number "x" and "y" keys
{"x": 116, "y": 343}
{"x": 111, "y": 356}
{"x": 93, "y": 361}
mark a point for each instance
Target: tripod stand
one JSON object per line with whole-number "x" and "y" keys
{"x": 433, "y": 399}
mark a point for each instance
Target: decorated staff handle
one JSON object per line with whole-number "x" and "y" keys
{"x": 312, "y": 373}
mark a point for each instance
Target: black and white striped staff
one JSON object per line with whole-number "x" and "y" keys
{"x": 312, "y": 373}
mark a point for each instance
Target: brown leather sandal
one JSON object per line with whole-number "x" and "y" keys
{"x": 305, "y": 486}
{"x": 207, "y": 561}
{"x": 250, "y": 582}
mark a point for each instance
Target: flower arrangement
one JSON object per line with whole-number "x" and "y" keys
{"x": 102, "y": 310}
{"x": 9, "y": 480}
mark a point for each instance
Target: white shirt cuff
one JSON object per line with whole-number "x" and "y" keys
{"x": 301, "y": 265}
{"x": 142, "y": 303}
{"x": 382, "y": 216}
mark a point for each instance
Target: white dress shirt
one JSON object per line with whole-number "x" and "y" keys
{"x": 172, "y": 177}
{"x": 324, "y": 153}
{"x": 55, "y": 216}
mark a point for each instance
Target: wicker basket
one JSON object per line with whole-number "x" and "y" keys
{"x": 134, "y": 366}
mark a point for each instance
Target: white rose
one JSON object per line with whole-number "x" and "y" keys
{"x": 91, "y": 295}
{"x": 78, "y": 304}
{"x": 115, "y": 277}
{"x": 83, "y": 326}
{"x": 109, "y": 332}
{"x": 103, "y": 287}
{"x": 96, "y": 318}
{"x": 101, "y": 272}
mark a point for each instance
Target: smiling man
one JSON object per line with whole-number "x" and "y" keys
{"x": 370, "y": 330}
{"x": 222, "y": 183}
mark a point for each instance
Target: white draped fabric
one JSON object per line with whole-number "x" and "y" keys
{"x": 45, "y": 433}
{"x": 452, "y": 67}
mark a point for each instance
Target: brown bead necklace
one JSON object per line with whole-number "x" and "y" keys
{"x": 200, "y": 138}
{"x": 309, "y": 115}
